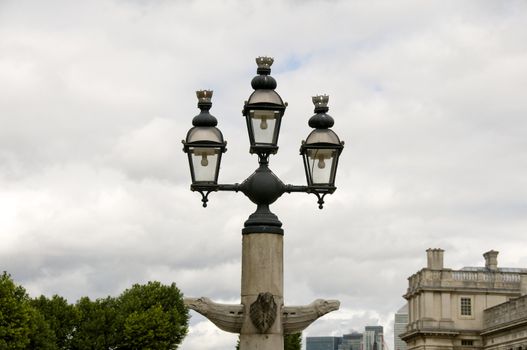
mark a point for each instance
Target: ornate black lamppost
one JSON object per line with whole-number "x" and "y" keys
{"x": 262, "y": 254}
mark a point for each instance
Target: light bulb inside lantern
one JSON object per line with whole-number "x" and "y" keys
{"x": 204, "y": 160}
{"x": 321, "y": 164}
{"x": 263, "y": 124}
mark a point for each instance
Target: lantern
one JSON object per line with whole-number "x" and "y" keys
{"x": 321, "y": 149}
{"x": 204, "y": 144}
{"x": 263, "y": 111}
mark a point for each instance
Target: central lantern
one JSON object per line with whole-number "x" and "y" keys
{"x": 264, "y": 110}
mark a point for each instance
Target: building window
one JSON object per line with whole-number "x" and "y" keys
{"x": 466, "y": 306}
{"x": 466, "y": 342}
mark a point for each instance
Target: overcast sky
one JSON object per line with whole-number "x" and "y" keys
{"x": 95, "y": 97}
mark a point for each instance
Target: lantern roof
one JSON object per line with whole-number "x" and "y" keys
{"x": 264, "y": 85}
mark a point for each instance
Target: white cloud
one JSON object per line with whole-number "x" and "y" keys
{"x": 97, "y": 95}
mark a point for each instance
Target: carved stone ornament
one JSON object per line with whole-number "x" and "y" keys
{"x": 263, "y": 312}
{"x": 296, "y": 318}
{"x": 228, "y": 317}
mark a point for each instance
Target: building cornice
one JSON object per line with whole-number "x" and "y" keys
{"x": 429, "y": 333}
{"x": 509, "y": 292}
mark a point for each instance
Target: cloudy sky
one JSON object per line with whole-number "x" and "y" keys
{"x": 95, "y": 97}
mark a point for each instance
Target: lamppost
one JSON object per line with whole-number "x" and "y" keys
{"x": 261, "y": 318}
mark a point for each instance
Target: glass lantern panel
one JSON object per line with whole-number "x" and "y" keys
{"x": 263, "y": 125}
{"x": 320, "y": 163}
{"x": 204, "y": 162}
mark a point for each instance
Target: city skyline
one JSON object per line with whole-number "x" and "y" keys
{"x": 372, "y": 338}
{"x": 95, "y": 98}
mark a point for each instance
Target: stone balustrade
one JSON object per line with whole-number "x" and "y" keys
{"x": 513, "y": 310}
{"x": 447, "y": 278}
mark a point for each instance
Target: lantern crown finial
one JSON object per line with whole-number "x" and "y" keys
{"x": 264, "y": 64}
{"x": 263, "y": 80}
{"x": 321, "y": 120}
{"x": 321, "y": 103}
{"x": 204, "y": 95}
{"x": 204, "y": 118}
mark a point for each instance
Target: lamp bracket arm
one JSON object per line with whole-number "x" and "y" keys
{"x": 229, "y": 187}
{"x": 319, "y": 192}
{"x": 206, "y": 189}
{"x": 295, "y": 188}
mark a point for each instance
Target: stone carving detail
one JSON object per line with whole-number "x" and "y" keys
{"x": 296, "y": 318}
{"x": 228, "y": 317}
{"x": 263, "y": 312}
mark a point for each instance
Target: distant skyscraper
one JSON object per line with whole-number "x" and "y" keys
{"x": 351, "y": 341}
{"x": 323, "y": 343}
{"x": 373, "y": 338}
{"x": 399, "y": 327}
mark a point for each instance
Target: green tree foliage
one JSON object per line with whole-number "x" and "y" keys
{"x": 60, "y": 316}
{"x": 146, "y": 317}
{"x": 151, "y": 316}
{"x": 15, "y": 315}
{"x": 150, "y": 329}
{"x": 291, "y": 342}
{"x": 41, "y": 336}
{"x": 21, "y": 325}
{"x": 95, "y": 326}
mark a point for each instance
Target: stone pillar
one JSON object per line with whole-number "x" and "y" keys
{"x": 262, "y": 272}
{"x": 491, "y": 260}
{"x": 262, "y": 319}
{"x": 435, "y": 258}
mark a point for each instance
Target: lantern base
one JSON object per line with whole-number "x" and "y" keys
{"x": 263, "y": 221}
{"x": 263, "y": 150}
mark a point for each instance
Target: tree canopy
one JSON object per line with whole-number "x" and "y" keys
{"x": 150, "y": 317}
{"x": 16, "y": 316}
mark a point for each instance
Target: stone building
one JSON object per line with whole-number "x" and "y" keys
{"x": 505, "y": 326}
{"x": 458, "y": 309}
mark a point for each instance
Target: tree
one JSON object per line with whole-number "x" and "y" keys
{"x": 60, "y": 316}
{"x": 21, "y": 325}
{"x": 41, "y": 336}
{"x": 291, "y": 342}
{"x": 95, "y": 327}
{"x": 15, "y": 315}
{"x": 151, "y": 316}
